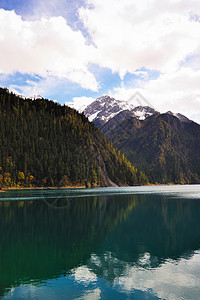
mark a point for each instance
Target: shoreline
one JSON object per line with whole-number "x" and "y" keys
{"x": 5, "y": 189}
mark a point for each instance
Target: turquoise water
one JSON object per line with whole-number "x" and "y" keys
{"x": 105, "y": 243}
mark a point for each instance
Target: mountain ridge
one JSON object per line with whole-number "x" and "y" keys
{"x": 166, "y": 146}
{"x": 104, "y": 108}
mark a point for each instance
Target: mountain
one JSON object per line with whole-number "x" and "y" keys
{"x": 105, "y": 108}
{"x": 165, "y": 146}
{"x": 45, "y": 144}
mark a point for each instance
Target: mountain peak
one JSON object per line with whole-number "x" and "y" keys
{"x": 105, "y": 97}
{"x": 179, "y": 116}
{"x": 105, "y": 108}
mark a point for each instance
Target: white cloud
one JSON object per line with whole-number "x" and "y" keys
{"x": 48, "y": 47}
{"x": 92, "y": 294}
{"x": 193, "y": 61}
{"x": 177, "y": 91}
{"x": 142, "y": 74}
{"x": 84, "y": 275}
{"x": 41, "y": 87}
{"x": 128, "y": 35}
{"x": 80, "y": 103}
{"x": 151, "y": 33}
{"x": 171, "y": 280}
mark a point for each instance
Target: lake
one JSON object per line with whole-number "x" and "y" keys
{"x": 102, "y": 243}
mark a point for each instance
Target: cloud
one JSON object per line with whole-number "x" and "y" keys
{"x": 169, "y": 281}
{"x": 80, "y": 103}
{"x": 129, "y": 35}
{"x": 177, "y": 91}
{"x": 142, "y": 74}
{"x": 39, "y": 87}
{"x": 35, "y": 9}
{"x": 91, "y": 294}
{"x": 193, "y": 61}
{"x": 83, "y": 275}
{"x": 47, "y": 47}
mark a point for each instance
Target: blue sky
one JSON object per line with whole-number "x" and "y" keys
{"x": 73, "y": 50}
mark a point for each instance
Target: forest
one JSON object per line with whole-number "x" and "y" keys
{"x": 164, "y": 147}
{"x": 43, "y": 143}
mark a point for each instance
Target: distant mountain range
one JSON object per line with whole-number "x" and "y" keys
{"x": 165, "y": 146}
{"x": 105, "y": 108}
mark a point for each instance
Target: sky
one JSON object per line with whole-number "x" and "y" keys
{"x": 79, "y": 50}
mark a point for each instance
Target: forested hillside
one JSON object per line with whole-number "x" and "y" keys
{"x": 164, "y": 147}
{"x": 43, "y": 143}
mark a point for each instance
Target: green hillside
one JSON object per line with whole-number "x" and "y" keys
{"x": 45, "y": 144}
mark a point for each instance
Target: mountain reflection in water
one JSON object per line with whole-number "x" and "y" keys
{"x": 99, "y": 246}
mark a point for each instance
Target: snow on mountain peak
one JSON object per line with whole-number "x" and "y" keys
{"x": 105, "y": 108}
{"x": 142, "y": 112}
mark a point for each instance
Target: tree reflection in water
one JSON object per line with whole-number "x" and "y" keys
{"x": 110, "y": 234}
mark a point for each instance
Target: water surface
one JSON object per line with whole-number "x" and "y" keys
{"x": 106, "y": 243}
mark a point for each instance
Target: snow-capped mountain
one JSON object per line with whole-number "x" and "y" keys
{"x": 164, "y": 145}
{"x": 105, "y": 108}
